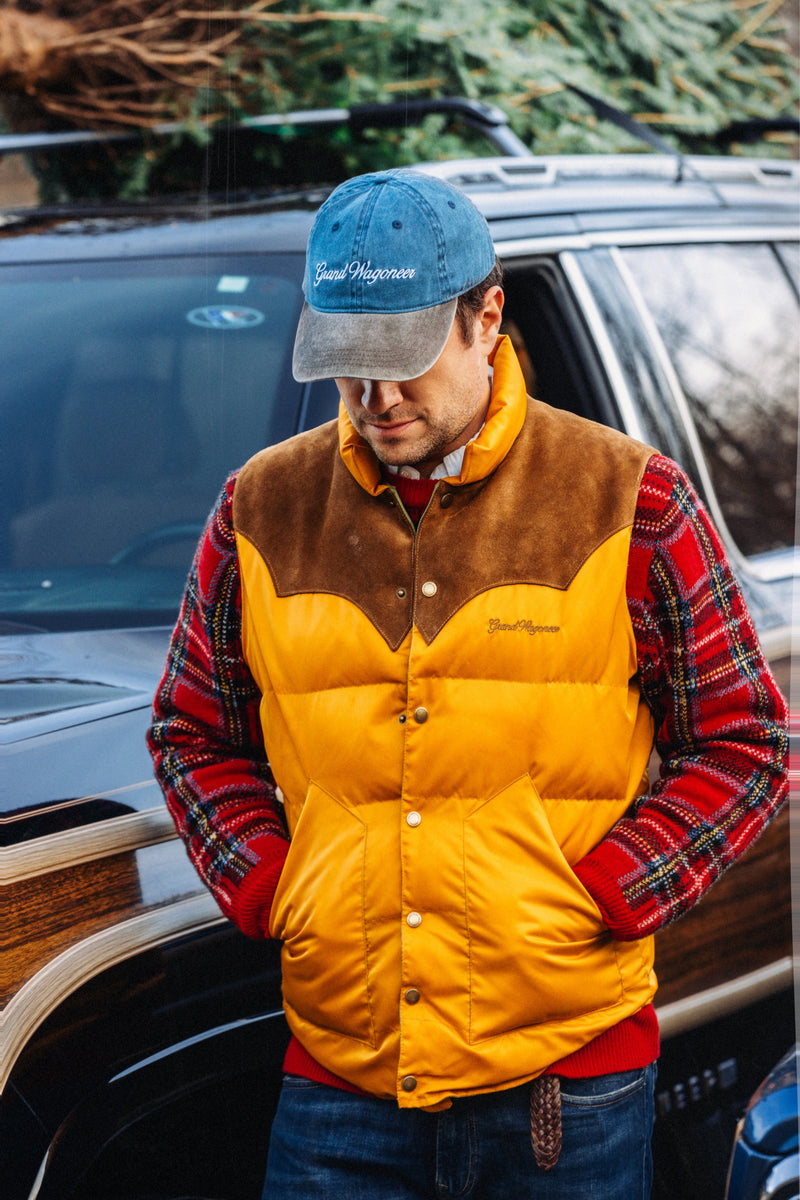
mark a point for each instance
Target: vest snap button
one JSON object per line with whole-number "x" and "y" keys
{"x": 413, "y": 819}
{"x": 414, "y": 920}
{"x": 409, "y": 1083}
{"x": 420, "y": 715}
{"x": 401, "y": 593}
{"x": 412, "y": 996}
{"x": 429, "y": 588}
{"x": 446, "y": 500}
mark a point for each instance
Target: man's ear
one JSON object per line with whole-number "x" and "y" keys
{"x": 487, "y": 324}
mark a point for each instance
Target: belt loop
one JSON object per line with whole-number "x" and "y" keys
{"x": 546, "y": 1120}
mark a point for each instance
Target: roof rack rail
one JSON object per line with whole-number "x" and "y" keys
{"x": 486, "y": 118}
{"x": 514, "y": 173}
{"x": 754, "y": 130}
{"x": 489, "y": 120}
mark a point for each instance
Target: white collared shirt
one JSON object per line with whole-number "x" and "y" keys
{"x": 451, "y": 464}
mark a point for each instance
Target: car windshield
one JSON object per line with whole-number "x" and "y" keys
{"x": 129, "y": 392}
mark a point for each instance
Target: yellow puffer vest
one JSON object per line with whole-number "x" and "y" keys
{"x": 453, "y": 717}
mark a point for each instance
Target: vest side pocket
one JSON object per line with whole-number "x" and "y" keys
{"x": 539, "y": 951}
{"x": 318, "y": 915}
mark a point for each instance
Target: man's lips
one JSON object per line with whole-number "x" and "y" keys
{"x": 390, "y": 427}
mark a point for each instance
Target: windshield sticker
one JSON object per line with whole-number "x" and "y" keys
{"x": 225, "y": 316}
{"x": 233, "y": 283}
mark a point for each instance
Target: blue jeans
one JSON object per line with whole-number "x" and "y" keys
{"x": 328, "y": 1144}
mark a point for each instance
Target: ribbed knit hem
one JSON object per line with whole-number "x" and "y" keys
{"x": 298, "y": 1061}
{"x": 252, "y": 904}
{"x": 632, "y": 1044}
{"x": 601, "y": 883}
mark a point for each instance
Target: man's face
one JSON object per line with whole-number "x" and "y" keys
{"x": 416, "y": 422}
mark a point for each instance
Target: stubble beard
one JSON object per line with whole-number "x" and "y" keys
{"x": 429, "y": 449}
{"x": 429, "y": 446}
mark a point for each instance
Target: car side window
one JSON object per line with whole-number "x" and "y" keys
{"x": 548, "y": 336}
{"x": 727, "y": 314}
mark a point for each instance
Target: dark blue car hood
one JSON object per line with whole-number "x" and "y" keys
{"x": 74, "y": 709}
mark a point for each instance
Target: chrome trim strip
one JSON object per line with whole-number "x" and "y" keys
{"x": 73, "y": 846}
{"x": 673, "y": 235}
{"x": 551, "y": 243}
{"x": 693, "y": 1011}
{"x": 37, "y": 1183}
{"x": 52, "y": 806}
{"x": 707, "y": 233}
{"x": 583, "y": 294}
{"x": 65, "y": 973}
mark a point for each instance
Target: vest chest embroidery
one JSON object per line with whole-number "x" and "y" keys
{"x": 521, "y": 626}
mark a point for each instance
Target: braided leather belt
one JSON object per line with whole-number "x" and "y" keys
{"x": 546, "y": 1120}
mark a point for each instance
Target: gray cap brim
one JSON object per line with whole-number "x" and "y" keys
{"x": 391, "y": 346}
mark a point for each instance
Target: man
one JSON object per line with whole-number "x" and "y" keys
{"x": 405, "y": 728}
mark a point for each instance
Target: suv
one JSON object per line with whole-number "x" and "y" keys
{"x": 146, "y": 351}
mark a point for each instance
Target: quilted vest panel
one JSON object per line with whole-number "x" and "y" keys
{"x": 453, "y": 717}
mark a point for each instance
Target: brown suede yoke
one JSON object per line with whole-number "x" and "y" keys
{"x": 317, "y": 530}
{"x": 566, "y": 486}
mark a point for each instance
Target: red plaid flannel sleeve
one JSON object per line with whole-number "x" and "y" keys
{"x": 206, "y": 741}
{"x": 721, "y": 723}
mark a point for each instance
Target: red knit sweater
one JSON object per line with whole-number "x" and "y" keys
{"x": 720, "y": 730}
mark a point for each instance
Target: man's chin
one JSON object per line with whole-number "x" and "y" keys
{"x": 394, "y": 453}
{"x": 403, "y": 450}
{"x": 392, "y": 457}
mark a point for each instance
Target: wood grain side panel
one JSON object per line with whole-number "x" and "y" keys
{"x": 50, "y": 913}
{"x": 742, "y": 923}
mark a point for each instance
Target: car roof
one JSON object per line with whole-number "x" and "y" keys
{"x": 591, "y": 193}
{"x": 521, "y": 197}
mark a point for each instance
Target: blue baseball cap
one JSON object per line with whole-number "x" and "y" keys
{"x": 389, "y": 254}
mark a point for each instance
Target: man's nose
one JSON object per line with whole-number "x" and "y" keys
{"x": 380, "y": 395}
